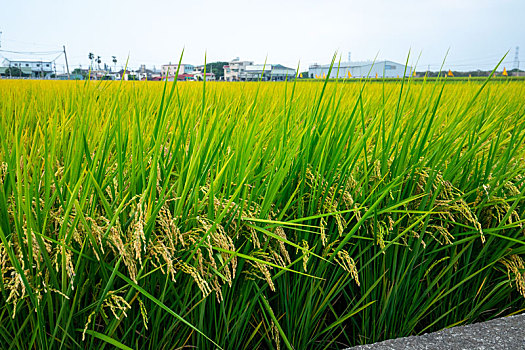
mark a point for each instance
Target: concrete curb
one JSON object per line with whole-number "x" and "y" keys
{"x": 507, "y": 333}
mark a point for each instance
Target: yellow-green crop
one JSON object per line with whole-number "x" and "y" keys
{"x": 309, "y": 215}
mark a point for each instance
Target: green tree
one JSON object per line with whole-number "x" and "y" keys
{"x": 15, "y": 72}
{"x": 216, "y": 68}
{"x": 91, "y": 56}
{"x": 79, "y": 71}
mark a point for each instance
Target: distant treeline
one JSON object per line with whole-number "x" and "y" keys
{"x": 476, "y": 73}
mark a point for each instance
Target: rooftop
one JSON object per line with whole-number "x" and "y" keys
{"x": 28, "y": 61}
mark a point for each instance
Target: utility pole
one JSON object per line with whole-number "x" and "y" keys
{"x": 67, "y": 65}
{"x": 0, "y": 38}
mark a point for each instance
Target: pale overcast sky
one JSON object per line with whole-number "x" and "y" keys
{"x": 478, "y": 32}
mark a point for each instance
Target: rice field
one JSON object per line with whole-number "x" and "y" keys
{"x": 304, "y": 215}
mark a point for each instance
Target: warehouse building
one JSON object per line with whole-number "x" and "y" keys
{"x": 380, "y": 69}
{"x": 268, "y": 72}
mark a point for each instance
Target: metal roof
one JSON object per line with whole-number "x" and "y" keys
{"x": 28, "y": 61}
{"x": 280, "y": 66}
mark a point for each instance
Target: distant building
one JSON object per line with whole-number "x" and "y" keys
{"x": 170, "y": 70}
{"x": 72, "y": 76}
{"x": 144, "y": 73}
{"x": 91, "y": 74}
{"x": 34, "y": 68}
{"x": 238, "y": 70}
{"x": 516, "y": 72}
{"x": 126, "y": 74}
{"x": 185, "y": 77}
{"x": 268, "y": 72}
{"x": 95, "y": 74}
{"x": 381, "y": 69}
{"x": 199, "y": 76}
{"x": 235, "y": 69}
{"x": 193, "y": 76}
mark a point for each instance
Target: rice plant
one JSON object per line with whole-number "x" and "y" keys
{"x": 298, "y": 215}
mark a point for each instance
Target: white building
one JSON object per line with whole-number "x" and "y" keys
{"x": 144, "y": 73}
{"x": 170, "y": 70}
{"x": 235, "y": 69}
{"x": 35, "y": 68}
{"x": 380, "y": 69}
{"x": 199, "y": 76}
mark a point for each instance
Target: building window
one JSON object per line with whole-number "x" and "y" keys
{"x": 390, "y": 67}
{"x": 27, "y": 64}
{"x": 38, "y": 64}
{"x": 47, "y": 65}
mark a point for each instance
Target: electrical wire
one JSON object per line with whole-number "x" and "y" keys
{"x": 54, "y": 59}
{"x": 32, "y": 52}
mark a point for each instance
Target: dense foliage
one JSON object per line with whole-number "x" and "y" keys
{"x": 257, "y": 215}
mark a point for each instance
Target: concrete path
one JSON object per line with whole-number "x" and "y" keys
{"x": 507, "y": 333}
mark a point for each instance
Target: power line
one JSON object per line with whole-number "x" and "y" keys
{"x": 31, "y": 52}
{"x": 56, "y": 58}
